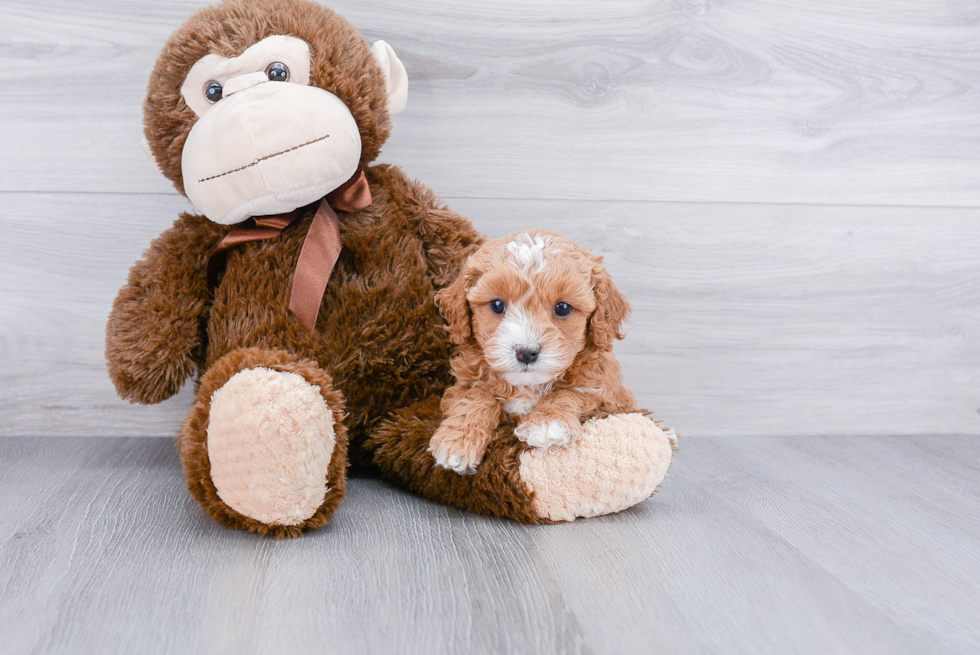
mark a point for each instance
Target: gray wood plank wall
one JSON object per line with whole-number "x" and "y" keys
{"x": 789, "y": 193}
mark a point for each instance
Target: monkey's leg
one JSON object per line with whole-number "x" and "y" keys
{"x": 616, "y": 462}
{"x": 264, "y": 448}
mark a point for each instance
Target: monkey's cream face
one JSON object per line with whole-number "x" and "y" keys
{"x": 530, "y": 309}
{"x": 266, "y": 142}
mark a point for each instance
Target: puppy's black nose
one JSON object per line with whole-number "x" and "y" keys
{"x": 527, "y": 354}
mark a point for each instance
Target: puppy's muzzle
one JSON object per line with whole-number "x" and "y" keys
{"x": 527, "y": 354}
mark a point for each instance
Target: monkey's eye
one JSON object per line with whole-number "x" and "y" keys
{"x": 277, "y": 72}
{"x": 212, "y": 91}
{"x": 497, "y": 306}
{"x": 563, "y": 309}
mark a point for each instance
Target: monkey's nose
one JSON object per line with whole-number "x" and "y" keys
{"x": 242, "y": 82}
{"x": 527, "y": 354}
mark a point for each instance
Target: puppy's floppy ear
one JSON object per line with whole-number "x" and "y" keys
{"x": 454, "y": 306}
{"x": 611, "y": 309}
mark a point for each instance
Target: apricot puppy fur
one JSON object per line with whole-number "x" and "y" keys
{"x": 534, "y": 317}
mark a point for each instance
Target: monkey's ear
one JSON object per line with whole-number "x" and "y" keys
{"x": 395, "y": 76}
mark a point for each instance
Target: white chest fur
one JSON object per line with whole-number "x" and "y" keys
{"x": 525, "y": 399}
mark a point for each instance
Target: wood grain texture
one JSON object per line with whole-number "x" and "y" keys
{"x": 793, "y": 314}
{"x": 802, "y": 545}
{"x": 797, "y": 101}
{"x": 748, "y": 319}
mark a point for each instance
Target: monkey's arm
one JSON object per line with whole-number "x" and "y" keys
{"x": 447, "y": 237}
{"x": 153, "y": 337}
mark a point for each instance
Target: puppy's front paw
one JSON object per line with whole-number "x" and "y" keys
{"x": 546, "y": 433}
{"x": 454, "y": 451}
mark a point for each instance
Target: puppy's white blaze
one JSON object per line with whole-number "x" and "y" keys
{"x": 518, "y": 329}
{"x": 543, "y": 371}
{"x": 528, "y": 252}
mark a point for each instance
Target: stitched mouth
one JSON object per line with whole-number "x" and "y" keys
{"x": 255, "y": 162}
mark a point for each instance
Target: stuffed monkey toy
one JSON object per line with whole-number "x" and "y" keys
{"x": 301, "y": 297}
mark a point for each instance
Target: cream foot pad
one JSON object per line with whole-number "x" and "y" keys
{"x": 270, "y": 438}
{"x": 613, "y": 464}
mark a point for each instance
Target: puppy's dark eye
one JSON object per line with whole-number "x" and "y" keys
{"x": 212, "y": 91}
{"x": 497, "y": 306}
{"x": 277, "y": 72}
{"x": 563, "y": 309}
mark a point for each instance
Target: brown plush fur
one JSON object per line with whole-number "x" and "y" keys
{"x": 380, "y": 350}
{"x": 379, "y": 337}
{"x": 400, "y": 447}
{"x": 583, "y": 376}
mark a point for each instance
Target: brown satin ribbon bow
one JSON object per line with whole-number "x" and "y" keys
{"x": 320, "y": 249}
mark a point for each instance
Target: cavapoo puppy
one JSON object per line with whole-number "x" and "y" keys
{"x": 534, "y": 317}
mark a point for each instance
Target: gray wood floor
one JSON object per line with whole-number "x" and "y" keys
{"x": 782, "y": 545}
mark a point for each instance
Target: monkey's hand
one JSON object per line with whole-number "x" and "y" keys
{"x": 153, "y": 337}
